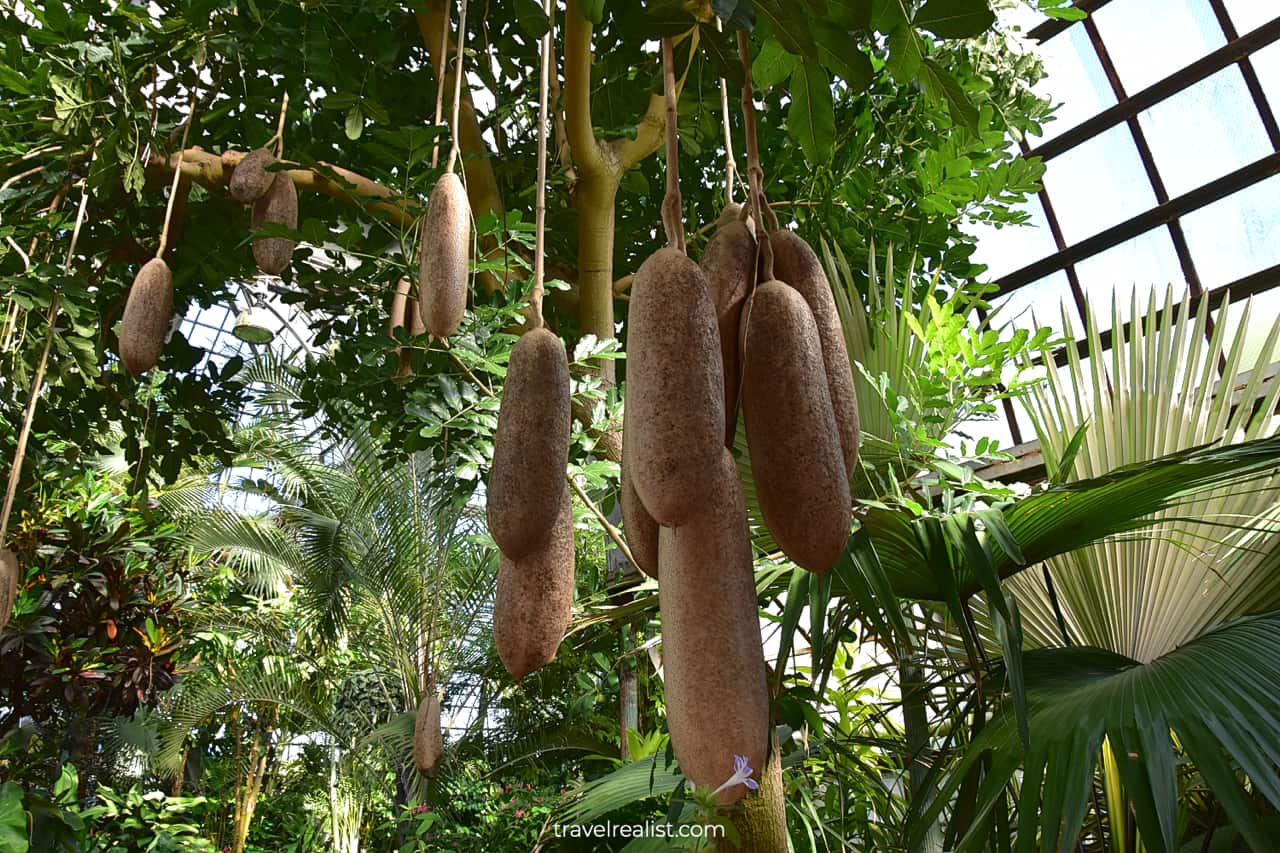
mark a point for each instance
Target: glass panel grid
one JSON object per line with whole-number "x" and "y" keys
{"x": 1099, "y": 180}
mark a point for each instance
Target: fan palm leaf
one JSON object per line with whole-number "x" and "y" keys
{"x": 1222, "y": 717}
{"x": 1170, "y": 386}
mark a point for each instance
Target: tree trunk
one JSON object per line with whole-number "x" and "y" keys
{"x": 594, "y": 198}
{"x": 247, "y": 804}
{"x": 762, "y": 821}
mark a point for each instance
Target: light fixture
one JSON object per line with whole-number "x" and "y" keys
{"x": 253, "y": 326}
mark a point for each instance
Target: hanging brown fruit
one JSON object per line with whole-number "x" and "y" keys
{"x": 729, "y": 263}
{"x": 531, "y": 445}
{"x": 8, "y": 584}
{"x": 428, "y": 740}
{"x": 404, "y": 313}
{"x": 279, "y": 206}
{"x": 796, "y": 459}
{"x": 675, "y": 387}
{"x": 250, "y": 180}
{"x": 148, "y": 313}
{"x": 795, "y": 262}
{"x": 712, "y": 658}
{"x": 638, "y": 526}
{"x": 443, "y": 258}
{"x": 534, "y": 601}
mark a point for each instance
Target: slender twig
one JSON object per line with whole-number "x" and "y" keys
{"x": 177, "y": 175}
{"x": 439, "y": 69}
{"x": 26, "y": 261}
{"x": 457, "y": 84}
{"x": 278, "y": 139}
{"x": 540, "y": 205}
{"x": 672, "y": 219}
{"x": 730, "y": 164}
{"x": 614, "y": 533}
{"x": 13, "y": 180}
{"x": 755, "y": 172}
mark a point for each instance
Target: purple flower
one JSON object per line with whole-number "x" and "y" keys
{"x": 741, "y": 775}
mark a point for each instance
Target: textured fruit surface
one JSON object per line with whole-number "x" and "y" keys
{"x": 534, "y": 602}
{"x": 428, "y": 742}
{"x": 795, "y": 263}
{"x": 442, "y": 263}
{"x": 251, "y": 180}
{"x": 638, "y": 526}
{"x": 278, "y": 206}
{"x": 8, "y": 584}
{"x": 675, "y": 387}
{"x": 395, "y": 316}
{"x": 148, "y": 313}
{"x": 712, "y": 657}
{"x": 729, "y": 263}
{"x": 531, "y": 445}
{"x": 796, "y": 460}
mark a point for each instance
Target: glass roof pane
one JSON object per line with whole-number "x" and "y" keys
{"x": 1215, "y": 116}
{"x": 1075, "y": 80}
{"x": 1248, "y": 15}
{"x": 1130, "y": 270}
{"x": 1004, "y": 250}
{"x": 1098, "y": 184}
{"x": 1267, "y": 63}
{"x": 1236, "y": 236}
{"x": 1038, "y": 305}
{"x": 1187, "y": 31}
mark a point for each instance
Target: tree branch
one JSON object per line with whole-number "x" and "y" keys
{"x": 586, "y": 150}
{"x": 213, "y": 171}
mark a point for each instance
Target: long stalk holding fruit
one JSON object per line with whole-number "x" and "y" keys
{"x": 672, "y": 215}
{"x": 540, "y": 204}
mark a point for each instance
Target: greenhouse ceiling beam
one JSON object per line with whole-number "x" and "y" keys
{"x": 1050, "y": 28}
{"x": 1231, "y": 53}
{"x": 1161, "y": 214}
{"x": 1251, "y": 81}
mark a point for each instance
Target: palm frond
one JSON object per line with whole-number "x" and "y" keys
{"x": 1166, "y": 388}
{"x": 1212, "y": 699}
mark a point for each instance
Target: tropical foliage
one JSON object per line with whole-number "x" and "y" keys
{"x": 241, "y": 573}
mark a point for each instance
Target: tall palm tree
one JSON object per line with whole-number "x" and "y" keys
{"x": 344, "y": 550}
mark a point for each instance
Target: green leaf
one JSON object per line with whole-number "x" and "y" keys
{"x": 1064, "y": 518}
{"x": 772, "y": 65}
{"x": 955, "y": 19}
{"x": 811, "y": 120}
{"x": 531, "y": 19}
{"x": 592, "y": 10}
{"x": 838, "y": 52}
{"x": 1213, "y": 695}
{"x": 11, "y": 79}
{"x": 790, "y": 25}
{"x": 905, "y": 54}
{"x": 354, "y": 125}
{"x": 939, "y": 84}
{"x": 734, "y": 14}
{"x": 723, "y": 53}
{"x": 13, "y": 819}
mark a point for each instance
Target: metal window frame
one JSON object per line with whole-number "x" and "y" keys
{"x": 1167, "y": 212}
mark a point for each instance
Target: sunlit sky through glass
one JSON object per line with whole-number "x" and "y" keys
{"x": 1194, "y": 134}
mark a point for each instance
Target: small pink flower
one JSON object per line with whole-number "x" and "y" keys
{"x": 519, "y": 812}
